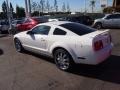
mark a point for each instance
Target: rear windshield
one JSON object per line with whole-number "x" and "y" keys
{"x": 77, "y": 28}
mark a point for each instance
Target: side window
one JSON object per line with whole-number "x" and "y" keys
{"x": 113, "y": 16}
{"x": 118, "y": 16}
{"x": 110, "y": 17}
{"x": 58, "y": 31}
{"x": 44, "y": 30}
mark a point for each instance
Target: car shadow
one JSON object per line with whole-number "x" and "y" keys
{"x": 1, "y": 51}
{"x": 106, "y": 71}
{"x": 110, "y": 28}
{"x": 48, "y": 59}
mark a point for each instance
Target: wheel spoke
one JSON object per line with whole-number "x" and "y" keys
{"x": 17, "y": 45}
{"x": 62, "y": 60}
{"x": 64, "y": 56}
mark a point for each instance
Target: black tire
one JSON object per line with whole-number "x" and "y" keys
{"x": 63, "y": 60}
{"x": 18, "y": 45}
{"x": 98, "y": 26}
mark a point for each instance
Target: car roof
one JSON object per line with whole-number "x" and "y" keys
{"x": 57, "y": 22}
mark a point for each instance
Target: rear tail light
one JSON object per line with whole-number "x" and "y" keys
{"x": 98, "y": 45}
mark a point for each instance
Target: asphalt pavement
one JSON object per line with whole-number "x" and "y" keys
{"x": 28, "y": 71}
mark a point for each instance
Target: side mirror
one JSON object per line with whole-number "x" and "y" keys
{"x": 30, "y": 33}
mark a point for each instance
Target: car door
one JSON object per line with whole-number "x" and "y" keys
{"x": 117, "y": 21}
{"x": 109, "y": 21}
{"x": 37, "y": 40}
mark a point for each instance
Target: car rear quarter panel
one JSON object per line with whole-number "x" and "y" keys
{"x": 84, "y": 47}
{"x": 77, "y": 46}
{"x": 66, "y": 42}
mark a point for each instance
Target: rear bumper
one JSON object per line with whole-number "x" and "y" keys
{"x": 96, "y": 57}
{"x": 103, "y": 55}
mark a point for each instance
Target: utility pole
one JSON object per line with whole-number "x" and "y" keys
{"x": 85, "y": 7}
{"x": 29, "y": 4}
{"x": 9, "y": 16}
{"x": 26, "y": 8}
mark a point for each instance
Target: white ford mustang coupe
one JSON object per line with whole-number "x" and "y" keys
{"x": 66, "y": 42}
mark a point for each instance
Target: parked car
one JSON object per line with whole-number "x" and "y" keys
{"x": 4, "y": 26}
{"x": 109, "y": 21}
{"x": 57, "y": 19}
{"x": 66, "y": 42}
{"x": 83, "y": 19}
{"x": 14, "y": 25}
{"x": 16, "y": 22}
{"x": 51, "y": 19}
{"x": 29, "y": 23}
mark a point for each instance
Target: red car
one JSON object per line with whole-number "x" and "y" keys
{"x": 29, "y": 23}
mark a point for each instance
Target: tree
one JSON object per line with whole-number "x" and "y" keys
{"x": 11, "y": 10}
{"x": 39, "y": 8}
{"x": 48, "y": 6}
{"x": 55, "y": 6}
{"x": 92, "y": 4}
{"x": 64, "y": 8}
{"x": 20, "y": 12}
{"x": 4, "y": 9}
{"x": 11, "y": 7}
{"x": 42, "y": 4}
{"x": 36, "y": 13}
{"x": 68, "y": 7}
{"x": 34, "y": 6}
{"x": 108, "y": 10}
{"x": 51, "y": 9}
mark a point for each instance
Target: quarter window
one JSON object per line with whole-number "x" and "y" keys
{"x": 58, "y": 31}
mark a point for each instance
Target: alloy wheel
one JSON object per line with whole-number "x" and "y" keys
{"x": 62, "y": 59}
{"x": 18, "y": 45}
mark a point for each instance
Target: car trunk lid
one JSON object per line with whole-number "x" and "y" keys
{"x": 101, "y": 39}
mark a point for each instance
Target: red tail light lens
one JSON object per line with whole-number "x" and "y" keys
{"x": 98, "y": 45}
